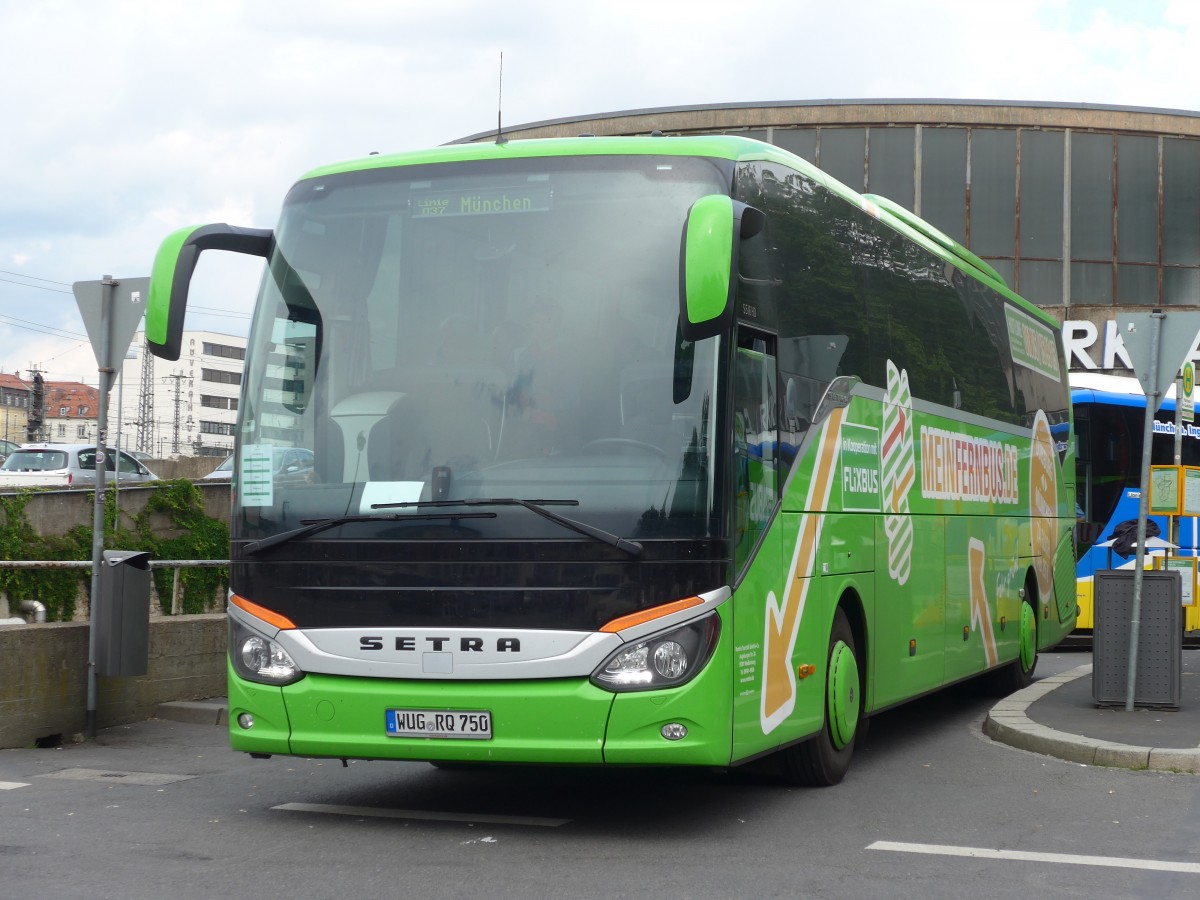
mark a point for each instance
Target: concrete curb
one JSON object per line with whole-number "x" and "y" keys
{"x": 1008, "y": 723}
{"x": 195, "y": 712}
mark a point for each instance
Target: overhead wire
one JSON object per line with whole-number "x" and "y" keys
{"x": 33, "y": 278}
{"x": 40, "y": 287}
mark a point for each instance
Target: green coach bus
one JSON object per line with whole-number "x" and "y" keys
{"x": 626, "y": 451}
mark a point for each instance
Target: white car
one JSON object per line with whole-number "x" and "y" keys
{"x": 223, "y": 472}
{"x": 67, "y": 465}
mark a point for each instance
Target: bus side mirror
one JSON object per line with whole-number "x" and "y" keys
{"x": 172, "y": 276}
{"x": 708, "y": 263}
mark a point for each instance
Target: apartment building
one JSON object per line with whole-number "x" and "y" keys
{"x": 187, "y": 407}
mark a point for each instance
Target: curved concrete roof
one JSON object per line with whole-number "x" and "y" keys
{"x": 792, "y": 113}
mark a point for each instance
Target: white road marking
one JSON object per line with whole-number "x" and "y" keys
{"x": 11, "y": 785}
{"x": 1117, "y": 862}
{"x": 382, "y": 813}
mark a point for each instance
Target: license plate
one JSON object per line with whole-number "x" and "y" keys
{"x": 440, "y": 723}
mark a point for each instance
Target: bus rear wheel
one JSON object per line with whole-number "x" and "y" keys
{"x": 823, "y": 760}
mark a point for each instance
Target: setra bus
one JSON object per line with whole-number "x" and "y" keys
{"x": 1109, "y": 412}
{"x": 648, "y": 451}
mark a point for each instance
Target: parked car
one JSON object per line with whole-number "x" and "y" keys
{"x": 289, "y": 465}
{"x": 223, "y": 472}
{"x": 7, "y": 447}
{"x": 66, "y": 465}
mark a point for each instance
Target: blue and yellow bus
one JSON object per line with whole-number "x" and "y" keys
{"x": 1109, "y": 421}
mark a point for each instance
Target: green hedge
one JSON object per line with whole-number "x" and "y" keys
{"x": 198, "y": 536}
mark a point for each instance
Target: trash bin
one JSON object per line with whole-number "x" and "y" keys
{"x": 123, "y": 613}
{"x": 1159, "y": 679}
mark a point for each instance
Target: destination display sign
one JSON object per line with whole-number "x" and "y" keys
{"x": 475, "y": 202}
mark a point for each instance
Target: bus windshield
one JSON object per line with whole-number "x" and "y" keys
{"x": 485, "y": 330}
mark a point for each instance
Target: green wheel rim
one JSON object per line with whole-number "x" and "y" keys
{"x": 843, "y": 695}
{"x": 1028, "y": 637}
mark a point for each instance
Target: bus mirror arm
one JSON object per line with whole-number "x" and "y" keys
{"x": 171, "y": 277}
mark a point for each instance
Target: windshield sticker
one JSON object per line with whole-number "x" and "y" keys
{"x": 256, "y": 485}
{"x": 1032, "y": 343}
{"x": 386, "y": 493}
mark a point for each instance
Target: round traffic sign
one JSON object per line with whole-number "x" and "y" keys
{"x": 1189, "y": 379}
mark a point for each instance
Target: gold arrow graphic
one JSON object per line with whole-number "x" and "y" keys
{"x": 981, "y": 613}
{"x": 783, "y": 621}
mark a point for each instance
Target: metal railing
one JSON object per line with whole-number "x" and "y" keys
{"x": 177, "y": 564}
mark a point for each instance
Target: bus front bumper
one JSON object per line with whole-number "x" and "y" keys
{"x": 567, "y": 720}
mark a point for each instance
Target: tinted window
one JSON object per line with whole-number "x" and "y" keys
{"x": 1137, "y": 199}
{"x": 36, "y": 460}
{"x": 1040, "y": 282}
{"x": 843, "y": 154}
{"x": 1042, "y": 195}
{"x": 892, "y": 162}
{"x": 944, "y": 180}
{"x": 1091, "y": 203}
{"x": 1137, "y": 285}
{"x": 801, "y": 141}
{"x": 852, "y": 295}
{"x": 1181, "y": 200}
{"x": 993, "y": 192}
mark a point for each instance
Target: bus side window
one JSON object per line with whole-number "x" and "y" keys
{"x": 755, "y": 441}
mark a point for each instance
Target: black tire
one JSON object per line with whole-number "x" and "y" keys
{"x": 820, "y": 761}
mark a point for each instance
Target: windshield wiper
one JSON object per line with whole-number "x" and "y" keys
{"x": 633, "y": 548}
{"x": 321, "y": 524}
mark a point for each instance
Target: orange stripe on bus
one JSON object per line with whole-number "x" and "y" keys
{"x": 261, "y": 612}
{"x": 649, "y": 615}
{"x": 782, "y": 624}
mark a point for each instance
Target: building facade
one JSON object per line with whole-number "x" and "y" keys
{"x": 72, "y": 411}
{"x": 15, "y": 396}
{"x": 1086, "y": 210}
{"x": 187, "y": 407}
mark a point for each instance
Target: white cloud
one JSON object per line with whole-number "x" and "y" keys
{"x": 136, "y": 118}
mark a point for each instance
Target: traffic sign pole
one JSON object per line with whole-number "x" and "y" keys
{"x": 1179, "y": 380}
{"x": 111, "y": 310}
{"x": 1157, "y": 357}
{"x": 98, "y": 507}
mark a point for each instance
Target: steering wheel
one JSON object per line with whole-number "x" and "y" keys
{"x": 618, "y": 445}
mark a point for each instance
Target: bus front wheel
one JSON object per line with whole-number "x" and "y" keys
{"x": 824, "y": 759}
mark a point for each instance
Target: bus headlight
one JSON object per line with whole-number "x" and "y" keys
{"x": 664, "y": 660}
{"x": 260, "y": 659}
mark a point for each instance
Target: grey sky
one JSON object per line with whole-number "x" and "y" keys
{"x": 126, "y": 120}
